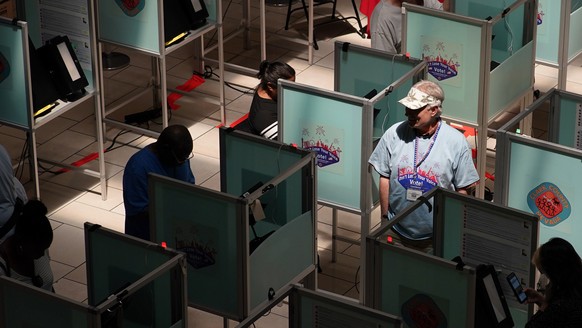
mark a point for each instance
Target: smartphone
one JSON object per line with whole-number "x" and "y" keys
{"x": 515, "y": 285}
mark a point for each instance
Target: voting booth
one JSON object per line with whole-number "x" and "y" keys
{"x": 156, "y": 29}
{"x": 467, "y": 232}
{"x": 318, "y": 308}
{"x": 341, "y": 126}
{"x": 557, "y": 39}
{"x": 482, "y": 54}
{"x": 249, "y": 240}
{"x": 536, "y": 173}
{"x": 130, "y": 282}
{"x": 35, "y": 93}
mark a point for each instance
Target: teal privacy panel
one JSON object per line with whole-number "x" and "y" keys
{"x": 136, "y": 27}
{"x": 26, "y": 306}
{"x": 282, "y": 257}
{"x": 448, "y": 292}
{"x": 114, "y": 262}
{"x": 203, "y": 224}
{"x": 508, "y": 34}
{"x": 13, "y": 86}
{"x": 575, "y": 41}
{"x": 570, "y": 115}
{"x": 48, "y": 19}
{"x": 360, "y": 70}
{"x": 548, "y": 31}
{"x": 313, "y": 309}
{"x": 511, "y": 79}
{"x": 482, "y": 232}
{"x": 453, "y": 58}
{"x": 544, "y": 180}
{"x": 248, "y": 160}
{"x": 334, "y": 126}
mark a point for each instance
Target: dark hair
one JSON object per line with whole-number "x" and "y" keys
{"x": 33, "y": 225}
{"x": 269, "y": 73}
{"x": 174, "y": 144}
{"x": 558, "y": 260}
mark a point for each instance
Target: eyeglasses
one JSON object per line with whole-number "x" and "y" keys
{"x": 180, "y": 161}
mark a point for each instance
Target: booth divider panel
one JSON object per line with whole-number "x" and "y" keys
{"x": 453, "y": 51}
{"x": 334, "y": 126}
{"x": 511, "y": 79}
{"x": 116, "y": 262}
{"x": 575, "y": 41}
{"x": 508, "y": 35}
{"x": 485, "y": 235}
{"x": 359, "y": 72}
{"x": 408, "y": 279}
{"x": 319, "y": 310}
{"x": 193, "y": 220}
{"x": 282, "y": 257}
{"x": 548, "y": 31}
{"x": 569, "y": 115}
{"x": 26, "y": 306}
{"x": 137, "y": 27}
{"x": 248, "y": 162}
{"x": 13, "y": 85}
{"x": 481, "y": 8}
{"x": 541, "y": 181}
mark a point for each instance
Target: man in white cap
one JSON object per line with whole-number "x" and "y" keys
{"x": 416, "y": 155}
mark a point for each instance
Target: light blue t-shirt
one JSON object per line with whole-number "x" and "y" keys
{"x": 448, "y": 165}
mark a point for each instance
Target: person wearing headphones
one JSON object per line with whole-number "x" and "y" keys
{"x": 24, "y": 254}
{"x": 417, "y": 155}
{"x": 169, "y": 156}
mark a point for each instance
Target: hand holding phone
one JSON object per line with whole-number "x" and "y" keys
{"x": 515, "y": 285}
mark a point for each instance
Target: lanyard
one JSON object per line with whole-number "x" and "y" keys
{"x": 432, "y": 141}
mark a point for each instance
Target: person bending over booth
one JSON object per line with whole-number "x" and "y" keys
{"x": 169, "y": 156}
{"x": 417, "y": 155}
{"x": 24, "y": 255}
{"x": 12, "y": 195}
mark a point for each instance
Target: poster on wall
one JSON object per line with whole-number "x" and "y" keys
{"x": 578, "y": 128}
{"x": 327, "y": 142}
{"x": 444, "y": 58}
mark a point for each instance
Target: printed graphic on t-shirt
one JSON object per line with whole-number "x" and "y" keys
{"x": 549, "y": 203}
{"x": 420, "y": 180}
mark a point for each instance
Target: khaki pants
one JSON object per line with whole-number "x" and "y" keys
{"x": 424, "y": 246}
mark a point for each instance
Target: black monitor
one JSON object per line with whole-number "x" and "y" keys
{"x": 44, "y": 91}
{"x": 491, "y": 310}
{"x": 196, "y": 11}
{"x": 181, "y": 16}
{"x": 58, "y": 56}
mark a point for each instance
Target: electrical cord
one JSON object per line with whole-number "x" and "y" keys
{"x": 356, "y": 282}
{"x": 208, "y": 73}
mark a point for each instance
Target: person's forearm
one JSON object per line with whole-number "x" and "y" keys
{"x": 384, "y": 194}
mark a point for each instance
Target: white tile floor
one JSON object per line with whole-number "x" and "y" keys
{"x": 71, "y": 137}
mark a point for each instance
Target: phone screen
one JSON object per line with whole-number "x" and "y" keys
{"x": 516, "y": 287}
